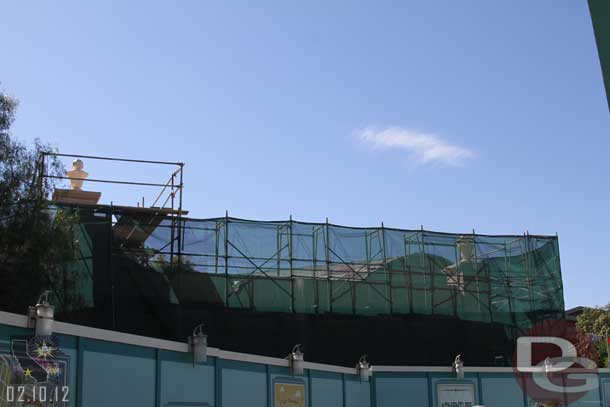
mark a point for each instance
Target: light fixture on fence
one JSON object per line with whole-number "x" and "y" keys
{"x": 364, "y": 369}
{"x": 41, "y": 316}
{"x": 198, "y": 345}
{"x": 295, "y": 360}
{"x": 458, "y": 367}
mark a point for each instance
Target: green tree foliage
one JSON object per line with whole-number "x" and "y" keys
{"x": 35, "y": 241}
{"x": 596, "y": 321}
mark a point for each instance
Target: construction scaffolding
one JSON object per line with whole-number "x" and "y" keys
{"x": 315, "y": 268}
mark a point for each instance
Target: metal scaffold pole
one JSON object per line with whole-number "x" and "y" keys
{"x": 226, "y": 256}
{"x": 430, "y": 270}
{"x": 173, "y": 226}
{"x": 528, "y": 260}
{"x": 368, "y": 269}
{"x": 278, "y": 249}
{"x": 41, "y": 178}
{"x": 560, "y": 280}
{"x": 290, "y": 264}
{"x": 111, "y": 270}
{"x": 314, "y": 255}
{"x": 388, "y": 273}
{"x": 327, "y": 255}
{"x": 458, "y": 280}
{"x": 508, "y": 286}
{"x": 407, "y": 269}
{"x": 180, "y": 228}
{"x": 475, "y": 258}
{"x": 217, "y": 227}
{"x": 488, "y": 276}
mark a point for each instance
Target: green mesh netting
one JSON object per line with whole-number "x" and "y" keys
{"x": 299, "y": 267}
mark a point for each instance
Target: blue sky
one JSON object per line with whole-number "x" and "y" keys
{"x": 452, "y": 115}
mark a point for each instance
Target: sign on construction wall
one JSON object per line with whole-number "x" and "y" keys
{"x": 287, "y": 394}
{"x": 455, "y": 395}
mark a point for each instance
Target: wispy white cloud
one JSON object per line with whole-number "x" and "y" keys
{"x": 423, "y": 148}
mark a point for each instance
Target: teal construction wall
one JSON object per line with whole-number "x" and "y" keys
{"x": 105, "y": 374}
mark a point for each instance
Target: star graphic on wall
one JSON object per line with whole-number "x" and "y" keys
{"x": 27, "y": 372}
{"x": 44, "y": 350}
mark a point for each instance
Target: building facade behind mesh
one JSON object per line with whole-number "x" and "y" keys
{"x": 138, "y": 270}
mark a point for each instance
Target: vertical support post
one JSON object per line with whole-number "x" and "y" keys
{"x": 173, "y": 225}
{"x": 111, "y": 271}
{"x": 278, "y": 248}
{"x": 343, "y": 390}
{"x": 314, "y": 254}
{"x": 521, "y": 378}
{"x": 79, "y": 369}
{"x": 226, "y": 256}
{"x": 290, "y": 263}
{"x": 528, "y": 271}
{"x": 41, "y": 176}
{"x": 367, "y": 251}
{"x": 455, "y": 289}
{"x": 480, "y": 389}
{"x": 217, "y": 382}
{"x": 509, "y": 292}
{"x": 309, "y": 389}
{"x": 217, "y": 226}
{"x": 180, "y": 220}
{"x": 409, "y": 271}
{"x": 173, "y": 190}
{"x": 604, "y": 396}
{"x": 559, "y": 280}
{"x": 430, "y": 269}
{"x": 487, "y": 276}
{"x": 158, "y": 377}
{"x": 40, "y": 186}
{"x": 373, "y": 390}
{"x": 475, "y": 270}
{"x": 388, "y": 273}
{"x": 330, "y": 283}
{"x": 430, "y": 390}
{"x": 181, "y": 188}
{"x": 269, "y": 386}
